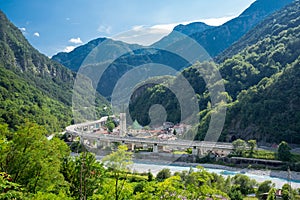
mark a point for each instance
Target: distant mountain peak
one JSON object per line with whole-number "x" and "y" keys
{"x": 192, "y": 28}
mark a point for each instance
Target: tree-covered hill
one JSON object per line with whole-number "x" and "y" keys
{"x": 33, "y": 87}
{"x": 267, "y": 27}
{"x": 261, "y": 84}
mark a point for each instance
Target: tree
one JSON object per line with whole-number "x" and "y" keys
{"x": 117, "y": 162}
{"x": 284, "y": 153}
{"x": 272, "y": 194}
{"x": 239, "y": 146}
{"x": 150, "y": 176}
{"x": 9, "y": 189}
{"x": 84, "y": 174}
{"x": 287, "y": 192}
{"x": 170, "y": 188}
{"x": 32, "y": 160}
{"x": 163, "y": 174}
{"x": 264, "y": 187}
{"x": 235, "y": 193}
{"x": 246, "y": 184}
{"x": 174, "y": 132}
{"x": 252, "y": 144}
{"x": 110, "y": 125}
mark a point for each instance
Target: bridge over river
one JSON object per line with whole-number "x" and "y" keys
{"x": 86, "y": 134}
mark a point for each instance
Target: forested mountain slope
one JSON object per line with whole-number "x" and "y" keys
{"x": 32, "y": 86}
{"x": 261, "y": 103}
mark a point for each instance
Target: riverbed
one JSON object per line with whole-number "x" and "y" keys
{"x": 277, "y": 177}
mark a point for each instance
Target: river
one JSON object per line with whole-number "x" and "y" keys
{"x": 259, "y": 175}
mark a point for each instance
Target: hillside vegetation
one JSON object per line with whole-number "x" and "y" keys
{"x": 32, "y": 87}
{"x": 261, "y": 83}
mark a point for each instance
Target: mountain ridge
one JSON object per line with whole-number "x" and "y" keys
{"x": 261, "y": 83}
{"x": 33, "y": 87}
{"x": 213, "y": 40}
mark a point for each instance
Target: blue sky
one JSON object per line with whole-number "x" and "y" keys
{"x": 60, "y": 25}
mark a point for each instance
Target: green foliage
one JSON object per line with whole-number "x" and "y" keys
{"x": 34, "y": 87}
{"x": 287, "y": 192}
{"x": 261, "y": 154}
{"x": 235, "y": 193}
{"x": 150, "y": 176}
{"x": 246, "y": 184}
{"x": 110, "y": 125}
{"x": 272, "y": 194}
{"x": 118, "y": 162}
{"x": 252, "y": 144}
{"x": 284, "y": 153}
{"x": 239, "y": 146}
{"x": 49, "y": 196}
{"x": 149, "y": 95}
{"x": 84, "y": 174}
{"x": 20, "y": 101}
{"x": 163, "y": 174}
{"x": 170, "y": 188}
{"x": 9, "y": 189}
{"x": 264, "y": 187}
{"x": 32, "y": 160}
{"x": 42, "y": 169}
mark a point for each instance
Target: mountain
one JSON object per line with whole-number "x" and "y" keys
{"x": 192, "y": 28}
{"x": 213, "y": 39}
{"x": 216, "y": 39}
{"x": 117, "y": 58}
{"x": 33, "y": 87}
{"x": 266, "y": 27}
{"x": 262, "y": 80}
{"x": 74, "y": 59}
{"x": 267, "y": 106}
{"x": 261, "y": 83}
{"x": 189, "y": 29}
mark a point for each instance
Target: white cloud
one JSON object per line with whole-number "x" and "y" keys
{"x": 36, "y": 34}
{"x": 69, "y": 48}
{"x": 76, "y": 40}
{"x": 104, "y": 29}
{"x": 144, "y": 35}
{"x": 217, "y": 21}
{"x": 23, "y": 29}
{"x": 138, "y": 28}
{"x": 147, "y": 35}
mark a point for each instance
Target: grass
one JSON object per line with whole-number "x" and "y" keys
{"x": 180, "y": 152}
{"x": 264, "y": 154}
{"x": 250, "y": 198}
{"x": 296, "y": 157}
{"x": 260, "y": 154}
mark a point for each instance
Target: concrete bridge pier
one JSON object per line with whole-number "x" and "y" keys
{"x": 195, "y": 151}
{"x": 155, "y": 148}
{"x": 132, "y": 146}
{"x": 98, "y": 143}
{"x": 201, "y": 152}
{"x": 145, "y": 146}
